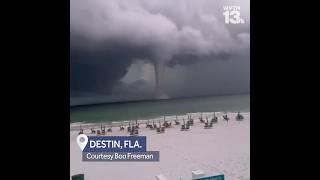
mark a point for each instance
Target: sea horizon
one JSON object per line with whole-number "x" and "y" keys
{"x": 144, "y": 109}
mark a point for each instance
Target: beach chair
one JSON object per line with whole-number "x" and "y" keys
{"x": 81, "y": 130}
{"x": 164, "y": 123}
{"x": 208, "y": 125}
{"x": 211, "y": 125}
{"x": 239, "y": 117}
{"x": 190, "y": 122}
{"x": 187, "y": 127}
{"x": 148, "y": 125}
{"x": 93, "y": 131}
{"x": 167, "y": 124}
{"x": 201, "y": 119}
{"x": 132, "y": 132}
{"x": 176, "y": 122}
{"x": 103, "y": 131}
{"x": 190, "y": 118}
{"x": 214, "y": 119}
{"x": 153, "y": 126}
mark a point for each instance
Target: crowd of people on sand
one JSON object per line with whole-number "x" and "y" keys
{"x": 133, "y": 128}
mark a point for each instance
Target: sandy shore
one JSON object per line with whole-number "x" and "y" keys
{"x": 224, "y": 149}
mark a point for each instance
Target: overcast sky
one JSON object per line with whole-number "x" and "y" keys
{"x": 115, "y": 45}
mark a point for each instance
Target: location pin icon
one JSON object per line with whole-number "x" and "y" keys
{"x": 82, "y": 141}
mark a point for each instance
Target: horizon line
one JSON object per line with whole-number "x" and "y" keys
{"x": 151, "y": 100}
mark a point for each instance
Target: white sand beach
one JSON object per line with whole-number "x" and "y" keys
{"x": 223, "y": 149}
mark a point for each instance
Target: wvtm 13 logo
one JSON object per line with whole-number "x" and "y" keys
{"x": 232, "y": 15}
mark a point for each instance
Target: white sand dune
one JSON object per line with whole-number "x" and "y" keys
{"x": 224, "y": 149}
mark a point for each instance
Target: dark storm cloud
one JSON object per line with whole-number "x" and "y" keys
{"x": 229, "y": 76}
{"x": 108, "y": 36}
{"x": 97, "y": 68}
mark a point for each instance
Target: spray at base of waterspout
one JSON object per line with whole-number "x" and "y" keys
{"x": 160, "y": 95}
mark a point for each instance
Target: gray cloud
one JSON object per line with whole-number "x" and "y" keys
{"x": 108, "y": 37}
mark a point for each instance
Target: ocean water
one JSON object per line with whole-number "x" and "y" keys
{"x": 152, "y": 109}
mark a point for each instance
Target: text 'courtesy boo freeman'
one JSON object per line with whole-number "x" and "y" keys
{"x": 115, "y": 148}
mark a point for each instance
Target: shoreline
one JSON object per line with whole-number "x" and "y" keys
{"x": 143, "y": 110}
{"x": 195, "y": 115}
